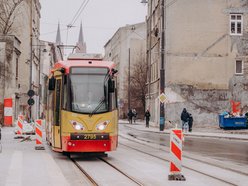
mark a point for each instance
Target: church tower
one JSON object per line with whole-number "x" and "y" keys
{"x": 59, "y": 50}
{"x": 81, "y": 45}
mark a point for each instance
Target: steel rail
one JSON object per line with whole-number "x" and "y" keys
{"x": 131, "y": 178}
{"x": 202, "y": 161}
{"x": 85, "y": 173}
{"x": 189, "y": 168}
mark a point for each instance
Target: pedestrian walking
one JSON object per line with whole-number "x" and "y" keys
{"x": 134, "y": 115}
{"x": 130, "y": 116}
{"x": 185, "y": 119}
{"x": 147, "y": 116}
{"x": 190, "y": 122}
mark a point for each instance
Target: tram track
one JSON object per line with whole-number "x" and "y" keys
{"x": 125, "y": 174}
{"x": 185, "y": 166}
{"x": 93, "y": 181}
{"x": 188, "y": 156}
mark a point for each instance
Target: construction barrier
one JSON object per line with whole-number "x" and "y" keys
{"x": 20, "y": 124}
{"x": 176, "y": 138}
{"x": 8, "y": 112}
{"x": 38, "y": 132}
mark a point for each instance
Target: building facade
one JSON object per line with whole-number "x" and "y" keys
{"x": 205, "y": 57}
{"x": 47, "y": 61}
{"x": 9, "y": 61}
{"x": 125, "y": 49}
{"x": 25, "y": 31}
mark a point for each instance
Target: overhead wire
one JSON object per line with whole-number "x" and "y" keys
{"x": 76, "y": 16}
{"x": 72, "y": 21}
{"x": 79, "y": 12}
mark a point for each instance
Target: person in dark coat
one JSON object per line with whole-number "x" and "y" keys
{"x": 184, "y": 117}
{"x": 130, "y": 116}
{"x": 147, "y": 116}
{"x": 190, "y": 122}
{"x": 134, "y": 115}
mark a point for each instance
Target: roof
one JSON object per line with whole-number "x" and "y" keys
{"x": 67, "y": 64}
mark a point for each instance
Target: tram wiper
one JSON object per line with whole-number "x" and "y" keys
{"x": 98, "y": 106}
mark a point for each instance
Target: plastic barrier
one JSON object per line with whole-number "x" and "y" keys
{"x": 8, "y": 112}
{"x": 38, "y": 132}
{"x": 176, "y": 138}
{"x": 20, "y": 125}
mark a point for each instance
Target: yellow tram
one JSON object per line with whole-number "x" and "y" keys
{"x": 82, "y": 113}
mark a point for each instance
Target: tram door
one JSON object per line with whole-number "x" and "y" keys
{"x": 57, "y": 110}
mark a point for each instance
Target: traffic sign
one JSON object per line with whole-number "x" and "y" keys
{"x": 162, "y": 98}
{"x": 30, "y": 101}
{"x": 31, "y": 93}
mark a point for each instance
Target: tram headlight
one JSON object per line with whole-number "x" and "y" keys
{"x": 102, "y": 125}
{"x": 76, "y": 125}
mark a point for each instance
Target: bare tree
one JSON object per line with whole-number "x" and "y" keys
{"x": 8, "y": 15}
{"x": 138, "y": 78}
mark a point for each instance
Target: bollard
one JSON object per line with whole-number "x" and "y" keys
{"x": 176, "y": 138}
{"x": 38, "y": 132}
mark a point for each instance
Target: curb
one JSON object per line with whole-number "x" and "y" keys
{"x": 205, "y": 135}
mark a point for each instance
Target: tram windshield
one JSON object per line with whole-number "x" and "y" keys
{"x": 89, "y": 91}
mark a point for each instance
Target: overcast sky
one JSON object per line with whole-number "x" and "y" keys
{"x": 100, "y": 19}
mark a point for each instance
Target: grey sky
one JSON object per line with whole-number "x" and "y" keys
{"x": 100, "y": 19}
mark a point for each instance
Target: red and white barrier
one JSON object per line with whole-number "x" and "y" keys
{"x": 38, "y": 132}
{"x": 20, "y": 125}
{"x": 176, "y": 138}
{"x": 8, "y": 112}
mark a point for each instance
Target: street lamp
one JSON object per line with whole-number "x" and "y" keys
{"x": 148, "y": 51}
{"x": 162, "y": 62}
{"x": 162, "y": 71}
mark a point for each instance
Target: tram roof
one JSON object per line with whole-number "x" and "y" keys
{"x": 67, "y": 64}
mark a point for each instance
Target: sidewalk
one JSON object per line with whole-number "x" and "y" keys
{"x": 205, "y": 131}
{"x": 21, "y": 164}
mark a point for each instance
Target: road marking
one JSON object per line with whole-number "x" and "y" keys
{"x": 56, "y": 176}
{"x": 14, "y": 176}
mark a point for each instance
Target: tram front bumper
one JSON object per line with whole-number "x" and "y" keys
{"x": 70, "y": 144}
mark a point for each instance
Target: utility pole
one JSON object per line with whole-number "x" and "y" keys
{"x": 31, "y": 54}
{"x": 162, "y": 70}
{"x": 31, "y": 45}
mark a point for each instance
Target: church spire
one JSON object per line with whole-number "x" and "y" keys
{"x": 59, "y": 51}
{"x": 81, "y": 45}
{"x": 81, "y": 37}
{"x": 58, "y": 36}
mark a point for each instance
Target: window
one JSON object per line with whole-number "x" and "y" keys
{"x": 239, "y": 67}
{"x": 57, "y": 106}
{"x": 236, "y": 24}
{"x": 154, "y": 71}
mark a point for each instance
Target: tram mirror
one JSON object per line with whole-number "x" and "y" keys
{"x": 51, "y": 83}
{"x": 111, "y": 86}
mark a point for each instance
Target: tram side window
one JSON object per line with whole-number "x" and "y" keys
{"x": 113, "y": 100}
{"x": 57, "y": 106}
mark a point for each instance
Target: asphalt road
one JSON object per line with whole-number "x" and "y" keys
{"x": 222, "y": 149}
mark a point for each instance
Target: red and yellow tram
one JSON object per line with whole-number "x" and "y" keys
{"x": 82, "y": 113}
